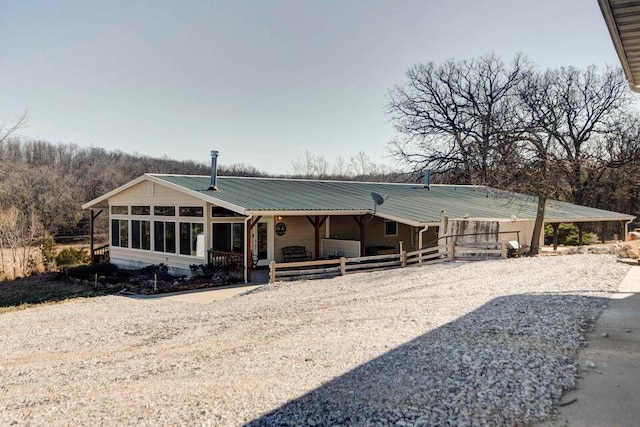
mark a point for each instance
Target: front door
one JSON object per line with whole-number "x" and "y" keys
{"x": 261, "y": 242}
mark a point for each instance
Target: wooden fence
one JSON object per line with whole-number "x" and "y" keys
{"x": 339, "y": 267}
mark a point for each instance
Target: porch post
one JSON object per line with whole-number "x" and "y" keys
{"x": 91, "y": 243}
{"x": 248, "y": 262}
{"x": 555, "y": 236}
{"x": 579, "y": 234}
{"x": 603, "y": 228}
{"x": 92, "y": 219}
{"x": 317, "y": 223}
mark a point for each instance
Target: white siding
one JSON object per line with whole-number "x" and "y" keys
{"x": 162, "y": 196}
{"x": 134, "y": 258}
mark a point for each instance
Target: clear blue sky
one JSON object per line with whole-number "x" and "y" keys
{"x": 260, "y": 81}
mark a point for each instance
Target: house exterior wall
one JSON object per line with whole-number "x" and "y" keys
{"x": 345, "y": 227}
{"x": 299, "y": 232}
{"x": 374, "y": 236}
{"x": 525, "y": 227}
{"x": 497, "y": 230}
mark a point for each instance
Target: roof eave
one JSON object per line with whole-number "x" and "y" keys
{"x": 103, "y": 201}
{"x": 307, "y": 212}
{"x": 595, "y": 219}
{"x": 612, "y": 26}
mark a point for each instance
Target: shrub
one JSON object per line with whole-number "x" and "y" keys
{"x": 567, "y": 235}
{"x": 49, "y": 252}
{"x": 72, "y": 256}
{"x": 161, "y": 270}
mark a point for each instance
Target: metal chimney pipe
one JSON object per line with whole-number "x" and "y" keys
{"x": 427, "y": 179}
{"x": 214, "y": 171}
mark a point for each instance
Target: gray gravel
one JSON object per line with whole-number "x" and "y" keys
{"x": 489, "y": 343}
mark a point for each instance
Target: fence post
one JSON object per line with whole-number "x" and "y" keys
{"x": 272, "y": 272}
{"x": 453, "y": 250}
{"x": 343, "y": 266}
{"x": 403, "y": 259}
{"x": 503, "y": 249}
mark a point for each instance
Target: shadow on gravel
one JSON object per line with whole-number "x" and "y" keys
{"x": 506, "y": 363}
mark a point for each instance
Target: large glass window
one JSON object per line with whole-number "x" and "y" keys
{"x": 194, "y": 211}
{"x": 141, "y": 234}
{"x": 164, "y": 210}
{"x": 164, "y": 236}
{"x": 228, "y": 237}
{"x": 120, "y": 210}
{"x": 217, "y": 211}
{"x": 120, "y": 233}
{"x": 140, "y": 210}
{"x": 189, "y": 237}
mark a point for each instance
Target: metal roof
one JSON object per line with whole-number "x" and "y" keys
{"x": 623, "y": 20}
{"x": 408, "y": 203}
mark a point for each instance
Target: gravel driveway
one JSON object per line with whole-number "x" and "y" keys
{"x": 487, "y": 343}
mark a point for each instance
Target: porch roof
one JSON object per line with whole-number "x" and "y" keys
{"x": 407, "y": 203}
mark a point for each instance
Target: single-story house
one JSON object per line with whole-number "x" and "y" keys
{"x": 178, "y": 219}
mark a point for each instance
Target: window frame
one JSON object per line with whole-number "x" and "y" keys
{"x": 386, "y": 223}
{"x": 117, "y": 232}
{"x": 140, "y": 234}
{"x": 193, "y": 238}
{"x": 163, "y": 238}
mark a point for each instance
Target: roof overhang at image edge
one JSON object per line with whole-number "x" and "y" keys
{"x": 411, "y": 204}
{"x": 623, "y": 21}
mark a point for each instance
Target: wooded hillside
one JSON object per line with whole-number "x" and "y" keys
{"x": 54, "y": 180}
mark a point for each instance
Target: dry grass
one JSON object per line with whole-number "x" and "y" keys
{"x": 630, "y": 249}
{"x": 9, "y": 271}
{"x": 43, "y": 289}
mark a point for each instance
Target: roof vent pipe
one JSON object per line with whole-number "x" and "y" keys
{"x": 427, "y": 179}
{"x": 214, "y": 171}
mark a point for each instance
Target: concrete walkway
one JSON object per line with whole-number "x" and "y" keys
{"x": 201, "y": 296}
{"x": 608, "y": 394}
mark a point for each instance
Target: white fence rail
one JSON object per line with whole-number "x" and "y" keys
{"x": 342, "y": 266}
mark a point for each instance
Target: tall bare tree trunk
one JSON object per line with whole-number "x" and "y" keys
{"x": 538, "y": 225}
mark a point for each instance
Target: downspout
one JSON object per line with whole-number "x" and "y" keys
{"x": 246, "y": 246}
{"x": 626, "y": 230}
{"x": 426, "y": 227}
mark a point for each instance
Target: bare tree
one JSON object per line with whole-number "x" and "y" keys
{"x": 587, "y": 107}
{"x": 19, "y": 233}
{"x": 568, "y": 117}
{"x": 340, "y": 168}
{"x": 8, "y": 129}
{"x": 452, "y": 118}
{"x": 310, "y": 166}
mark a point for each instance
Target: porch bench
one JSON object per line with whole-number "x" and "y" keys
{"x": 295, "y": 253}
